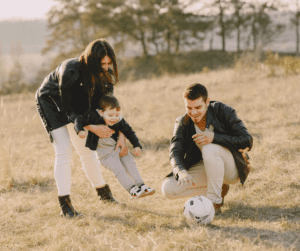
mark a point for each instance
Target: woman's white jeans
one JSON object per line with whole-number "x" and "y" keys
{"x": 63, "y": 138}
{"x": 217, "y": 168}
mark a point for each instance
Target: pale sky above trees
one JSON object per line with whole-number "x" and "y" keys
{"x": 37, "y": 9}
{"x": 21, "y": 9}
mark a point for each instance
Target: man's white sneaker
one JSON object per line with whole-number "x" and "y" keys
{"x": 147, "y": 190}
{"x": 136, "y": 192}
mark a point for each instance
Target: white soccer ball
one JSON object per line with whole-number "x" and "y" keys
{"x": 199, "y": 209}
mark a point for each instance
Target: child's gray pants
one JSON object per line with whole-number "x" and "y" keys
{"x": 124, "y": 168}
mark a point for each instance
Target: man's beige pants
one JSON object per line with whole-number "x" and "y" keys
{"x": 217, "y": 168}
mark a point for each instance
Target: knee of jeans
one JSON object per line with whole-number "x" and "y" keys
{"x": 87, "y": 154}
{"x": 210, "y": 151}
{"x": 65, "y": 152}
{"x": 167, "y": 191}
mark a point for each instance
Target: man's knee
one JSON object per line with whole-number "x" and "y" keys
{"x": 211, "y": 151}
{"x": 167, "y": 188}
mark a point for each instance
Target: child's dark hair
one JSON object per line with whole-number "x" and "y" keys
{"x": 195, "y": 91}
{"x": 110, "y": 102}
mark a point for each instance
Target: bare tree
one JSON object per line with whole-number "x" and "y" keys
{"x": 220, "y": 9}
{"x": 238, "y": 20}
{"x": 262, "y": 28}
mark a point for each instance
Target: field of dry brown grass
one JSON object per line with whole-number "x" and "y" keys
{"x": 264, "y": 214}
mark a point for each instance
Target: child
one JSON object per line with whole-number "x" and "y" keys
{"x": 124, "y": 168}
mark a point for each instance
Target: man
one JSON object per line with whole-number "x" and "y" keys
{"x": 208, "y": 149}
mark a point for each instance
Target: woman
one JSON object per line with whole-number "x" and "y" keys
{"x": 73, "y": 89}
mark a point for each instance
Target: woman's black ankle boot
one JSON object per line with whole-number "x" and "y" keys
{"x": 105, "y": 194}
{"x": 67, "y": 210}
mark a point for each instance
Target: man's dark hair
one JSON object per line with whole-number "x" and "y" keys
{"x": 195, "y": 91}
{"x": 110, "y": 102}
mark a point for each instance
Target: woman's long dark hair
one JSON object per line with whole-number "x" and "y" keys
{"x": 93, "y": 75}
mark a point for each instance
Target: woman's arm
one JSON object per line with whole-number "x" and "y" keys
{"x": 101, "y": 131}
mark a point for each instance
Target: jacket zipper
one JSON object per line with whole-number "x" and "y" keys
{"x": 54, "y": 103}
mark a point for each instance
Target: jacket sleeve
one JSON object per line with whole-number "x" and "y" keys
{"x": 177, "y": 148}
{"x": 67, "y": 77}
{"x": 90, "y": 118}
{"x": 125, "y": 128}
{"x": 237, "y": 135}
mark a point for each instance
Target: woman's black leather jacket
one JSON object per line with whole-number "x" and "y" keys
{"x": 65, "y": 88}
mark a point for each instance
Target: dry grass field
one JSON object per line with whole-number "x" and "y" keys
{"x": 264, "y": 214}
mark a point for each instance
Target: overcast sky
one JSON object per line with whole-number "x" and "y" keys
{"x": 37, "y": 9}
{"x": 24, "y": 9}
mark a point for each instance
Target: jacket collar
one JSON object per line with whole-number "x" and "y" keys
{"x": 209, "y": 116}
{"x": 210, "y": 119}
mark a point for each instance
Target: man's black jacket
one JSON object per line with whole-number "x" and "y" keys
{"x": 95, "y": 119}
{"x": 229, "y": 131}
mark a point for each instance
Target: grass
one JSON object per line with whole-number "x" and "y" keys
{"x": 263, "y": 214}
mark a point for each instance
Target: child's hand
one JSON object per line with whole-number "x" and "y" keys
{"x": 82, "y": 134}
{"x": 137, "y": 151}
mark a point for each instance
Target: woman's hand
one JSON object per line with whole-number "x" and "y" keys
{"x": 82, "y": 134}
{"x": 122, "y": 143}
{"x": 101, "y": 131}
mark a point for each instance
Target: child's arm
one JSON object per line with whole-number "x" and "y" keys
{"x": 137, "y": 151}
{"x": 121, "y": 143}
{"x": 125, "y": 128}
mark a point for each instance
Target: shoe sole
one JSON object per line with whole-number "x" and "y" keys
{"x": 136, "y": 197}
{"x": 147, "y": 194}
{"x": 78, "y": 216}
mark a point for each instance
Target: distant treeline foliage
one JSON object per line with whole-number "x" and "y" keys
{"x": 170, "y": 34}
{"x": 162, "y": 26}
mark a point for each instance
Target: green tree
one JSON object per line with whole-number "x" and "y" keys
{"x": 220, "y": 9}
{"x": 262, "y": 29}
{"x": 69, "y": 26}
{"x": 182, "y": 29}
{"x": 2, "y": 70}
{"x": 296, "y": 22}
{"x": 158, "y": 25}
{"x": 238, "y": 20}
{"x": 15, "y": 81}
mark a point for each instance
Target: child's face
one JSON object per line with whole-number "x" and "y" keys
{"x": 111, "y": 116}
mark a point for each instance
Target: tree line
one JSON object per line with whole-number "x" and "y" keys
{"x": 160, "y": 27}
{"x": 164, "y": 26}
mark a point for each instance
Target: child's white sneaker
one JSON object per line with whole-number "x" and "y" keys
{"x": 147, "y": 190}
{"x": 136, "y": 192}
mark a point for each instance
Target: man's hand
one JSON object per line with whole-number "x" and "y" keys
{"x": 122, "y": 143}
{"x": 244, "y": 154}
{"x": 203, "y": 138}
{"x": 185, "y": 179}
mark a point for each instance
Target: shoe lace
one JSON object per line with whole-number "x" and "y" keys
{"x": 144, "y": 187}
{"x": 135, "y": 190}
